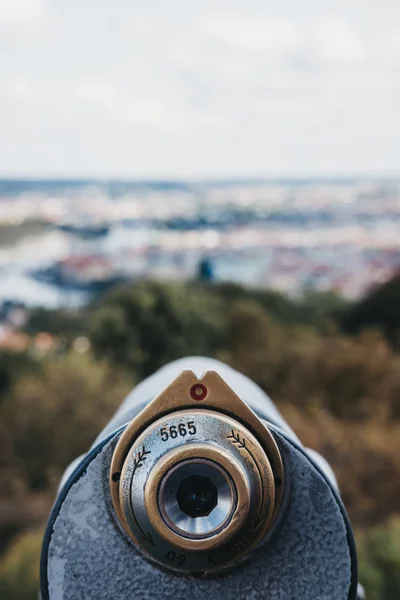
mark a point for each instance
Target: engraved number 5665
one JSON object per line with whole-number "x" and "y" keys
{"x": 174, "y": 430}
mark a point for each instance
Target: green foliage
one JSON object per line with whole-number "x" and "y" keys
{"x": 340, "y": 395}
{"x": 147, "y": 325}
{"x": 275, "y": 304}
{"x": 353, "y": 379}
{"x": 379, "y": 561}
{"x": 61, "y": 323}
{"x": 12, "y": 366}
{"x": 151, "y": 324}
{"x": 379, "y": 309}
{"x": 322, "y": 309}
{"x": 319, "y": 309}
{"x": 19, "y": 568}
{"x": 54, "y": 416}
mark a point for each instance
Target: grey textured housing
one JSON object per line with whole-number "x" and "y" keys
{"x": 306, "y": 557}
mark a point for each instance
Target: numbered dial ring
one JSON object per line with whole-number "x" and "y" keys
{"x": 196, "y": 490}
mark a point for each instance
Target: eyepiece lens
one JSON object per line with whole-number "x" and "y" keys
{"x": 197, "y": 496}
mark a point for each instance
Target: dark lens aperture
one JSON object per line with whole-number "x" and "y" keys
{"x": 197, "y": 496}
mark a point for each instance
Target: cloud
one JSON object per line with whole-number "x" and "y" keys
{"x": 137, "y": 110}
{"x": 206, "y": 93}
{"x": 22, "y": 89}
{"x": 328, "y": 40}
{"x": 244, "y": 62}
{"x": 97, "y": 99}
{"x": 126, "y": 107}
{"x": 272, "y": 37}
{"x": 25, "y": 18}
{"x": 331, "y": 40}
{"x": 17, "y": 11}
{"x": 235, "y": 61}
{"x": 391, "y": 48}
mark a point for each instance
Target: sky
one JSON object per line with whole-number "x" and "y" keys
{"x": 211, "y": 88}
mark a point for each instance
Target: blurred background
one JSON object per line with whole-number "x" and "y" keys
{"x": 215, "y": 178}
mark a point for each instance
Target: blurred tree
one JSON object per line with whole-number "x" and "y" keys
{"x": 52, "y": 417}
{"x": 322, "y": 309}
{"x": 254, "y": 344}
{"x": 318, "y": 309}
{"x": 151, "y": 324}
{"x": 380, "y": 308}
{"x": 12, "y": 366}
{"x": 340, "y": 395}
{"x": 379, "y": 561}
{"x": 61, "y": 323}
{"x": 353, "y": 379}
{"x": 19, "y": 568}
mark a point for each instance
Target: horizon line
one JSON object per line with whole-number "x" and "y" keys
{"x": 196, "y": 179}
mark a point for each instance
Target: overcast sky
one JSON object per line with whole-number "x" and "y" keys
{"x": 213, "y": 88}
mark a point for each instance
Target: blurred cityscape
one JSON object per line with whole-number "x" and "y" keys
{"x": 62, "y": 242}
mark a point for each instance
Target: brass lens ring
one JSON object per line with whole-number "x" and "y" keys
{"x": 173, "y": 460}
{"x": 195, "y": 435}
{"x": 197, "y": 498}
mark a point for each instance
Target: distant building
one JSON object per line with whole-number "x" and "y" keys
{"x": 16, "y": 341}
{"x": 13, "y": 341}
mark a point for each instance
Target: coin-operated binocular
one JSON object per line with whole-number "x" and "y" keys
{"x": 198, "y": 488}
